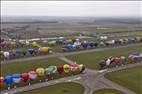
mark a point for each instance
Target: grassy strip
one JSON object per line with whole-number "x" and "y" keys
{"x": 62, "y": 88}
{"x": 107, "y": 91}
{"x": 130, "y": 78}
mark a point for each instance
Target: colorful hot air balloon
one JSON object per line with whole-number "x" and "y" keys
{"x": 25, "y": 77}
{"x": 60, "y": 69}
{"x": 34, "y": 44}
{"x": 16, "y": 78}
{"x": 31, "y": 51}
{"x": 81, "y": 68}
{"x": 74, "y": 67}
{"x": 66, "y": 68}
{"x": 8, "y": 80}
{"x": 32, "y": 75}
{"x": 40, "y": 71}
{"x": 1, "y": 81}
{"x": 48, "y": 72}
{"x": 54, "y": 69}
{"x": 44, "y": 49}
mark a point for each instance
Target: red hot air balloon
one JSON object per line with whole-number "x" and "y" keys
{"x": 1, "y": 81}
{"x": 74, "y": 67}
{"x": 25, "y": 77}
{"x": 60, "y": 69}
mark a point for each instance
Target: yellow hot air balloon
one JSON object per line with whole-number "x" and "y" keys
{"x": 44, "y": 49}
{"x": 66, "y": 68}
{"x": 34, "y": 43}
{"x": 40, "y": 71}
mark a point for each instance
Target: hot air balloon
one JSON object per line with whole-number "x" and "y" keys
{"x": 40, "y": 71}
{"x": 8, "y": 80}
{"x": 32, "y": 75}
{"x": 16, "y": 78}
{"x": 34, "y": 44}
{"x": 60, "y": 69}
{"x": 48, "y": 72}
{"x": 44, "y": 49}
{"x": 81, "y": 68}
{"x": 1, "y": 81}
{"x": 31, "y": 51}
{"x": 74, "y": 67}
{"x": 54, "y": 69}
{"x": 66, "y": 68}
{"x": 25, "y": 77}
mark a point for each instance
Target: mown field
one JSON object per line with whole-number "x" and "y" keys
{"x": 62, "y": 88}
{"x": 91, "y": 60}
{"x": 130, "y": 78}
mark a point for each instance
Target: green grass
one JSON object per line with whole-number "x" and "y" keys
{"x": 21, "y": 67}
{"x": 91, "y": 60}
{"x": 107, "y": 91}
{"x": 62, "y": 88}
{"x": 130, "y": 78}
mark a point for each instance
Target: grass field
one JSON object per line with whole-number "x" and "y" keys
{"x": 62, "y": 88}
{"x": 91, "y": 60}
{"x": 107, "y": 91}
{"x": 21, "y": 67}
{"x": 130, "y": 78}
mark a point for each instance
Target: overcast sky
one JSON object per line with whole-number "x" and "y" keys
{"x": 71, "y": 8}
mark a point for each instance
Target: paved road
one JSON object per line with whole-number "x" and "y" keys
{"x": 66, "y": 54}
{"x": 91, "y": 80}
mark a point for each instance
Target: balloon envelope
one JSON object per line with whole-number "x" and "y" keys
{"x": 54, "y": 69}
{"x": 40, "y": 71}
{"x": 34, "y": 43}
{"x": 74, "y": 67}
{"x": 32, "y": 75}
{"x": 25, "y": 77}
{"x": 60, "y": 69}
{"x": 44, "y": 49}
{"x": 16, "y": 78}
{"x": 8, "y": 80}
{"x": 66, "y": 68}
{"x": 1, "y": 81}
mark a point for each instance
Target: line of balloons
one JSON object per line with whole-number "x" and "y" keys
{"x": 40, "y": 72}
{"x": 114, "y": 61}
{"x": 37, "y": 50}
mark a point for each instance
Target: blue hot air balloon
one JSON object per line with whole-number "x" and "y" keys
{"x": 31, "y": 51}
{"x": 8, "y": 80}
{"x": 70, "y": 46}
{"x": 16, "y": 78}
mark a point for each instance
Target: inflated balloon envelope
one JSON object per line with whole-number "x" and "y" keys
{"x": 60, "y": 69}
{"x": 40, "y": 71}
{"x": 44, "y": 49}
{"x": 16, "y": 78}
{"x": 81, "y": 67}
{"x": 74, "y": 67}
{"x": 8, "y": 80}
{"x": 66, "y": 68}
{"x": 32, "y": 75}
{"x": 54, "y": 69}
{"x": 25, "y": 77}
{"x": 34, "y": 43}
{"x": 1, "y": 81}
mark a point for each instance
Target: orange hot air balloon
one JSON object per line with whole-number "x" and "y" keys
{"x": 1, "y": 81}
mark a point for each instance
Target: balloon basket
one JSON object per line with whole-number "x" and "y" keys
{"x": 8, "y": 88}
{"x": 29, "y": 84}
{"x": 15, "y": 86}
